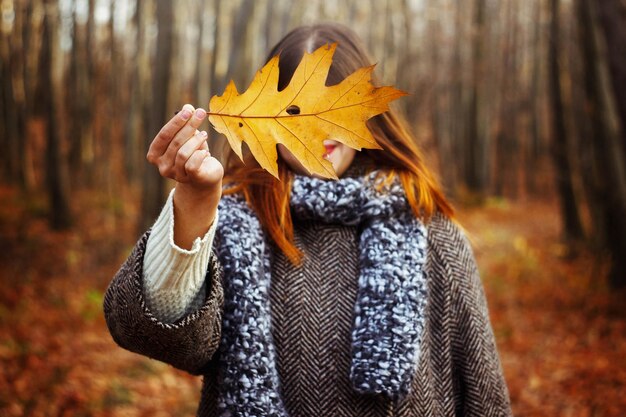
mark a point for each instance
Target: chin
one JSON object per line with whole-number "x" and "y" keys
{"x": 341, "y": 162}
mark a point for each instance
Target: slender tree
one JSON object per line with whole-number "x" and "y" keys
{"x": 612, "y": 17}
{"x": 239, "y": 57}
{"x": 153, "y": 183}
{"x": 533, "y": 144}
{"x": 56, "y": 169}
{"x": 216, "y": 84}
{"x": 13, "y": 100}
{"x": 77, "y": 97}
{"x": 572, "y": 228}
{"x": 600, "y": 107}
{"x": 476, "y": 151}
{"x": 133, "y": 122}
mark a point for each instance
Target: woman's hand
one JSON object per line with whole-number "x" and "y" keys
{"x": 180, "y": 152}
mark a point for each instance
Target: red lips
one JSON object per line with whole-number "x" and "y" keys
{"x": 329, "y": 148}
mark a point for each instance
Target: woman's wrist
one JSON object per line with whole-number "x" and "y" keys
{"x": 194, "y": 212}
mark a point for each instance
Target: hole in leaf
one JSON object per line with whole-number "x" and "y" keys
{"x": 240, "y": 124}
{"x": 293, "y": 110}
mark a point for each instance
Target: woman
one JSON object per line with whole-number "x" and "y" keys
{"x": 306, "y": 297}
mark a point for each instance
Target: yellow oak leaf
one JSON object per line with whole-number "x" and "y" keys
{"x": 302, "y": 115}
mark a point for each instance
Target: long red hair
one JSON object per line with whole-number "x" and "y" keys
{"x": 400, "y": 155}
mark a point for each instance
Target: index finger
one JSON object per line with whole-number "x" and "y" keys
{"x": 169, "y": 130}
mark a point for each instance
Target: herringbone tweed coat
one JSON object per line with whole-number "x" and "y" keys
{"x": 459, "y": 372}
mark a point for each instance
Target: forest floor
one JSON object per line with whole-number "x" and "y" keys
{"x": 561, "y": 333}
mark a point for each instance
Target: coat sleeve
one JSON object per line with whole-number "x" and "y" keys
{"x": 189, "y": 343}
{"x": 480, "y": 382}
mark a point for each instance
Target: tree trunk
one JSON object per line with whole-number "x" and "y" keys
{"x": 612, "y": 15}
{"x": 270, "y": 24}
{"x": 533, "y": 151}
{"x": 14, "y": 101}
{"x": 91, "y": 99}
{"x": 56, "y": 170}
{"x": 593, "y": 180}
{"x": 9, "y": 132}
{"x": 605, "y": 127}
{"x": 239, "y": 57}
{"x": 73, "y": 102}
{"x": 199, "y": 57}
{"x": 507, "y": 137}
{"x": 153, "y": 183}
{"x": 572, "y": 228}
{"x": 133, "y": 121}
{"x": 456, "y": 169}
{"x": 476, "y": 143}
{"x": 5, "y": 169}
{"x": 217, "y": 85}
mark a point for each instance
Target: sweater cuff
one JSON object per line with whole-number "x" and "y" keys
{"x": 173, "y": 275}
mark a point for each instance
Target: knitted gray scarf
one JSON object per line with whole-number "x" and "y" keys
{"x": 391, "y": 298}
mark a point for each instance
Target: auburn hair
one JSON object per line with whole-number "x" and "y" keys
{"x": 269, "y": 197}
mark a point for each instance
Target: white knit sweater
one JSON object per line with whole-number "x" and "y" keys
{"x": 173, "y": 276}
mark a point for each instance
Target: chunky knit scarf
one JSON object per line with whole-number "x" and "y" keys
{"x": 391, "y": 298}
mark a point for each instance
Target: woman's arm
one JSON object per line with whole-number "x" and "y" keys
{"x": 481, "y": 388}
{"x": 484, "y": 389}
{"x": 189, "y": 343}
{"x": 180, "y": 152}
{"x": 174, "y": 277}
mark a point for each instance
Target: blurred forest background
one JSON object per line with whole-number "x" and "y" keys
{"x": 520, "y": 105}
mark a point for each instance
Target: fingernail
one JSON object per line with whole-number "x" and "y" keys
{"x": 204, "y": 134}
{"x": 185, "y": 114}
{"x": 200, "y": 113}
